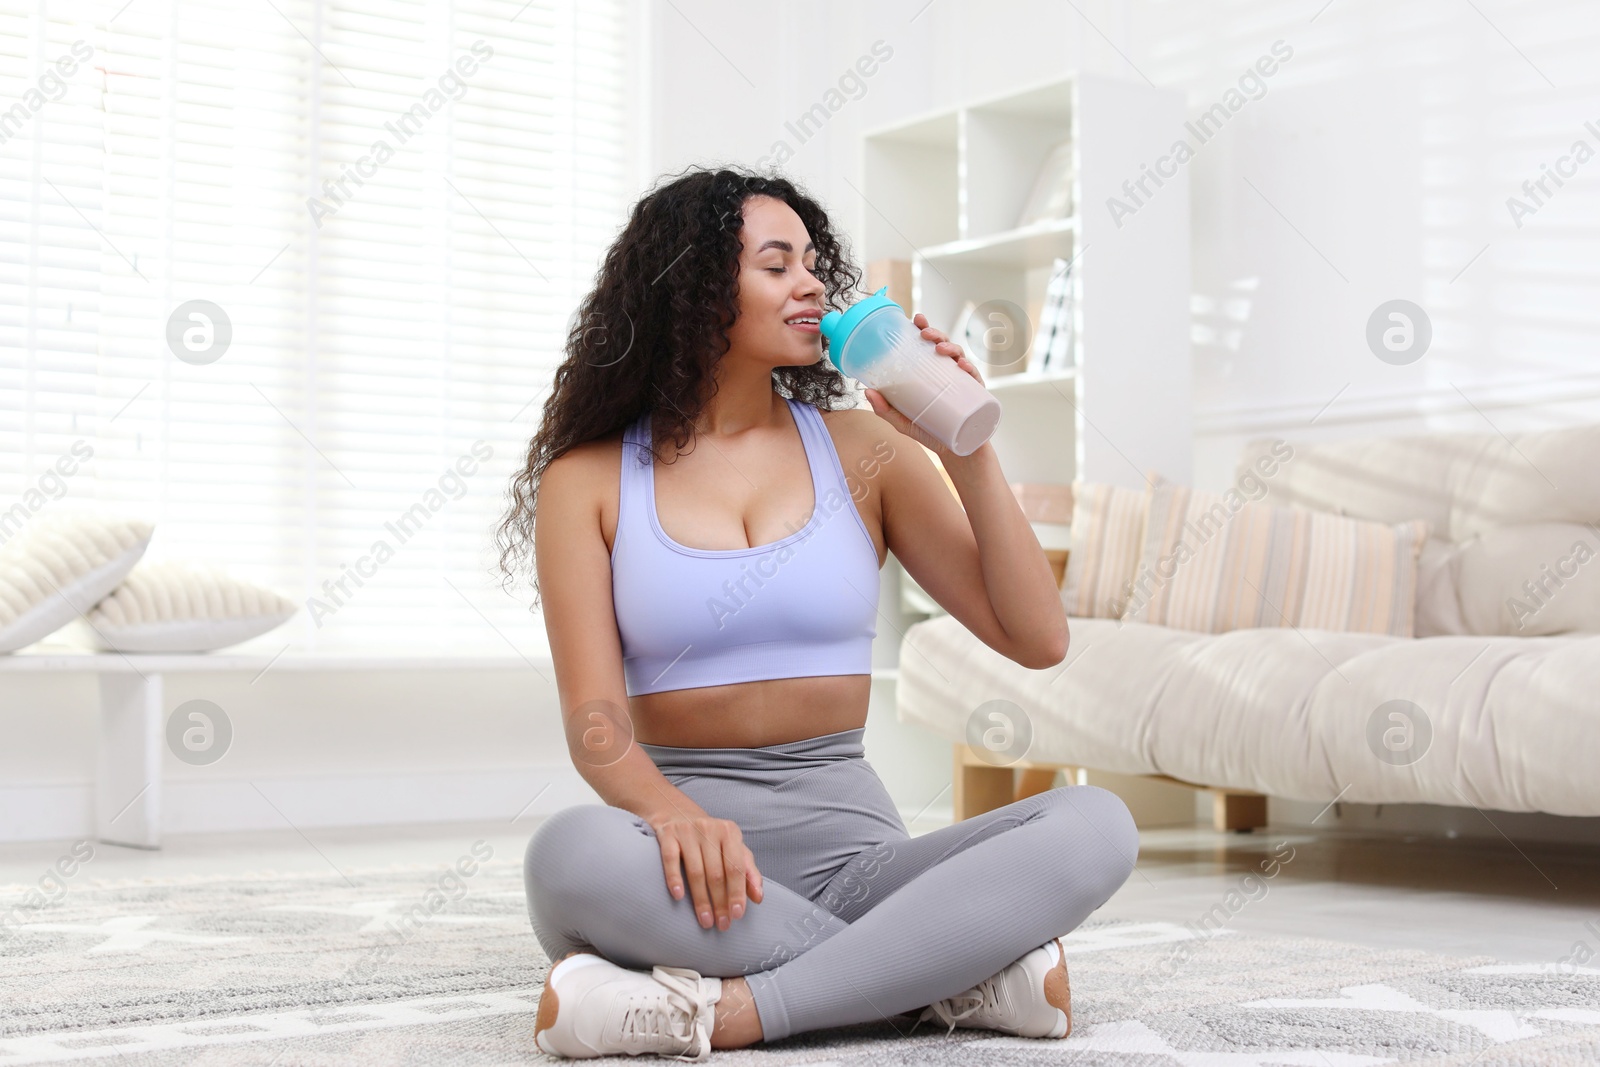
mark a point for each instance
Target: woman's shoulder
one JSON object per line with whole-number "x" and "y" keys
{"x": 850, "y": 418}
{"x": 586, "y": 466}
{"x": 862, "y": 429}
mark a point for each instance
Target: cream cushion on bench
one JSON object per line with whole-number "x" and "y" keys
{"x": 59, "y": 566}
{"x": 174, "y": 606}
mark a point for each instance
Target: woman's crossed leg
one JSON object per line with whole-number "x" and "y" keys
{"x": 901, "y": 925}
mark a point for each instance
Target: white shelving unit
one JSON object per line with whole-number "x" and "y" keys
{"x": 945, "y": 190}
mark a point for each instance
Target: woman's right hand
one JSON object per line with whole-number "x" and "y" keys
{"x": 721, "y": 869}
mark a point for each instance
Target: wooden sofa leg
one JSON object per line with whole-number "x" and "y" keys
{"x": 979, "y": 787}
{"x": 1238, "y": 811}
{"x": 1032, "y": 781}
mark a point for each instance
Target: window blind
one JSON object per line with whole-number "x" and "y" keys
{"x": 298, "y": 274}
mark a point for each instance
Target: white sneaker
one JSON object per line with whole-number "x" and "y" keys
{"x": 592, "y": 1007}
{"x": 1029, "y": 998}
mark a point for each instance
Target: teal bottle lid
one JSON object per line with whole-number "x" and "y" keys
{"x": 836, "y": 325}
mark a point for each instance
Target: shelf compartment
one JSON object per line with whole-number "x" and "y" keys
{"x": 1005, "y": 143}
{"x": 912, "y": 196}
{"x": 1021, "y": 249}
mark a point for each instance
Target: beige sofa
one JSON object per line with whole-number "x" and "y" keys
{"x": 1495, "y": 703}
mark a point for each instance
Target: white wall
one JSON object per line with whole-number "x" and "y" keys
{"x": 1376, "y": 166}
{"x": 1391, "y": 142}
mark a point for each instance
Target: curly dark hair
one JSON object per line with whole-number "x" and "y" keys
{"x": 637, "y": 344}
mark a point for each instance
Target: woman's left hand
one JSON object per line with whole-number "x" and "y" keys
{"x": 896, "y": 418}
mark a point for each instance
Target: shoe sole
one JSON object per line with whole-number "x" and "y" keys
{"x": 1058, "y": 988}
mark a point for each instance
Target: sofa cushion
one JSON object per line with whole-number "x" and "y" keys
{"x": 1394, "y": 479}
{"x": 1438, "y": 590}
{"x": 1502, "y": 723}
{"x": 1529, "y": 478}
{"x": 1460, "y": 484}
{"x": 1107, "y": 536}
{"x": 1216, "y": 562}
{"x": 1531, "y": 580}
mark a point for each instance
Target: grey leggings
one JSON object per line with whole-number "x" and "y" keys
{"x": 859, "y": 920}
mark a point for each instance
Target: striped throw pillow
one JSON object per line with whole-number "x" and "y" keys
{"x": 1214, "y": 562}
{"x": 1107, "y": 535}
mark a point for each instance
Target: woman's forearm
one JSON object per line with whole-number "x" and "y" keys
{"x": 635, "y": 784}
{"x": 1016, "y": 574}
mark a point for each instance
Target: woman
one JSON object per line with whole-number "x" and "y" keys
{"x": 711, "y": 621}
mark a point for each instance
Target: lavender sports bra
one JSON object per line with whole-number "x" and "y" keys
{"x": 801, "y": 606}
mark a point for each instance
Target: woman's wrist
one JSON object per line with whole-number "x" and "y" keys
{"x": 975, "y": 463}
{"x": 671, "y": 806}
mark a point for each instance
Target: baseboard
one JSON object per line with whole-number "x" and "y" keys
{"x": 46, "y": 812}
{"x": 55, "y": 812}
{"x": 58, "y": 811}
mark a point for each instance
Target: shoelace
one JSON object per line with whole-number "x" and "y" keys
{"x": 685, "y": 1017}
{"x": 983, "y": 996}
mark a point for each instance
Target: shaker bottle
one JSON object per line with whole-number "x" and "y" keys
{"x": 875, "y": 343}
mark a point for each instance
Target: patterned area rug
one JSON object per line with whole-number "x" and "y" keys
{"x": 412, "y": 965}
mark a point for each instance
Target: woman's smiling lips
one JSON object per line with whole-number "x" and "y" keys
{"x": 806, "y": 322}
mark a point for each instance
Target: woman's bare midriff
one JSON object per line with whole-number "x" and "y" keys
{"x": 751, "y": 714}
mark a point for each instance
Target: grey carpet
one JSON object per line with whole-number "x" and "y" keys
{"x": 279, "y": 969}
